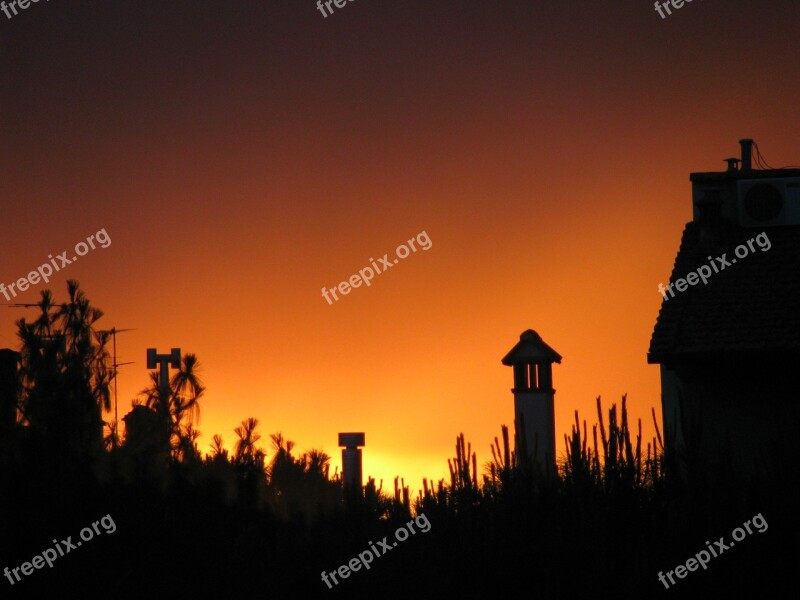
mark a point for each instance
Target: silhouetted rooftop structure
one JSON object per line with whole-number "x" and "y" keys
{"x": 727, "y": 343}
{"x": 750, "y": 306}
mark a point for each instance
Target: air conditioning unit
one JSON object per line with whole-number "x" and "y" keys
{"x": 769, "y": 202}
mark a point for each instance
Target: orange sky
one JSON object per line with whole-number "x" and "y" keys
{"x": 241, "y": 159}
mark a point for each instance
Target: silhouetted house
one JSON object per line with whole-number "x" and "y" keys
{"x": 146, "y": 441}
{"x": 8, "y": 390}
{"x": 534, "y": 399}
{"x": 728, "y": 340}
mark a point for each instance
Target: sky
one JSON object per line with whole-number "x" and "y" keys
{"x": 243, "y": 155}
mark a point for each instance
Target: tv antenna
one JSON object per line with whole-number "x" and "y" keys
{"x": 115, "y": 365}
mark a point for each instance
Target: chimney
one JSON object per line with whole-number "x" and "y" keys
{"x": 733, "y": 164}
{"x": 747, "y": 154}
{"x": 351, "y": 461}
{"x": 534, "y": 411}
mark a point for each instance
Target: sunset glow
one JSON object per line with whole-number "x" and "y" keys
{"x": 241, "y": 159}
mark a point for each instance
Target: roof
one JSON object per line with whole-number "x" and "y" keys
{"x": 752, "y": 174}
{"x": 531, "y": 348}
{"x": 749, "y": 307}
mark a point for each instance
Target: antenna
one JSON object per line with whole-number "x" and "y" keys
{"x": 114, "y": 331}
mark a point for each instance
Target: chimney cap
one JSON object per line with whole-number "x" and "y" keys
{"x": 351, "y": 440}
{"x": 733, "y": 163}
{"x": 530, "y": 348}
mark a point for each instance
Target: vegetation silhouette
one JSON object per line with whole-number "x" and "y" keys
{"x": 264, "y": 520}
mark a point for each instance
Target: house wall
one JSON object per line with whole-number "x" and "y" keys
{"x": 8, "y": 389}
{"x": 741, "y": 414}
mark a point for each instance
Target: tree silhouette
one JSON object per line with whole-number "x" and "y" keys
{"x": 248, "y": 460}
{"x": 178, "y": 408}
{"x": 65, "y": 375}
{"x": 218, "y": 448}
{"x": 316, "y": 464}
{"x": 246, "y": 451}
{"x": 285, "y": 471}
